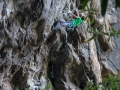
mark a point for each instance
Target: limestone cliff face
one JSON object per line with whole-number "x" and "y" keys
{"x": 32, "y": 54}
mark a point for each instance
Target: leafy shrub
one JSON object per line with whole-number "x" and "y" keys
{"x": 48, "y": 87}
{"x": 26, "y": 88}
{"x": 104, "y": 4}
{"x": 110, "y": 83}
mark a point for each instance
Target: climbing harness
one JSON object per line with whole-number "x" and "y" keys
{"x": 70, "y": 26}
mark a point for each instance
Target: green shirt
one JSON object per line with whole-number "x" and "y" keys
{"x": 77, "y": 21}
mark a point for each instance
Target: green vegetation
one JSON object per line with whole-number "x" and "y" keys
{"x": 48, "y": 87}
{"x": 103, "y": 5}
{"x": 110, "y": 83}
{"x": 113, "y": 32}
{"x": 26, "y": 88}
{"x": 97, "y": 32}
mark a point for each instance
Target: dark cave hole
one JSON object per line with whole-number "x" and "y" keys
{"x": 18, "y": 79}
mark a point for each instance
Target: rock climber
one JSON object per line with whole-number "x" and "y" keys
{"x": 70, "y": 24}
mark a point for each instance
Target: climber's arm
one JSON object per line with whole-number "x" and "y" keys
{"x": 77, "y": 13}
{"x": 74, "y": 15}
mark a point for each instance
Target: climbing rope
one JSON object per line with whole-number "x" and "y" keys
{"x": 52, "y": 75}
{"x": 99, "y": 49}
{"x": 22, "y": 82}
{"x": 52, "y": 69}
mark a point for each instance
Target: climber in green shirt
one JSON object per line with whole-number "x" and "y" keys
{"x": 71, "y": 24}
{"x": 76, "y": 21}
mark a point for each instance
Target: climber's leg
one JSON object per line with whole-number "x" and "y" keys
{"x": 57, "y": 26}
{"x": 60, "y": 24}
{"x": 63, "y": 23}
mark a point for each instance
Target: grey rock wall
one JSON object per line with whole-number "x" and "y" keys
{"x": 114, "y": 55}
{"x": 32, "y": 55}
